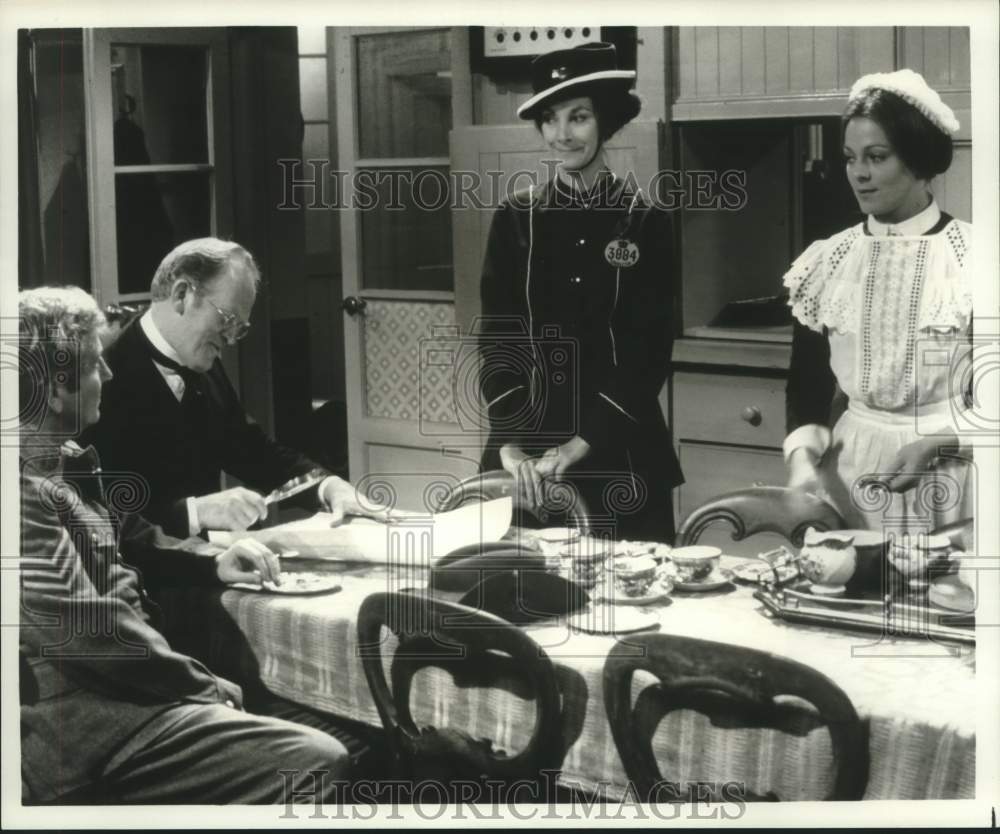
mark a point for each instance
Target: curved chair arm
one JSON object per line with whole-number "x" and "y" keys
{"x": 772, "y": 509}
{"x": 498, "y": 483}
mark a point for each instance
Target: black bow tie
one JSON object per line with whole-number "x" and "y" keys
{"x": 161, "y": 358}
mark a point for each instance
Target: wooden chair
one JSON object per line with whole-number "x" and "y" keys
{"x": 773, "y": 509}
{"x": 736, "y": 684}
{"x": 499, "y": 483}
{"x": 477, "y": 649}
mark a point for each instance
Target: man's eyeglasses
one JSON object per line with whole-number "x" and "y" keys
{"x": 233, "y": 328}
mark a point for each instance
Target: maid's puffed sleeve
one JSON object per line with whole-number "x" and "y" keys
{"x": 811, "y": 383}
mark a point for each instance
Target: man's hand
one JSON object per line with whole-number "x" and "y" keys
{"x": 248, "y": 561}
{"x": 557, "y": 460}
{"x": 231, "y": 509}
{"x": 341, "y": 498}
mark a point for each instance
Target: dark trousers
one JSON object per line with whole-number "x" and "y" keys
{"x": 214, "y": 754}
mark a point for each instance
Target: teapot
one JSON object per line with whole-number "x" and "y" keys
{"x": 828, "y": 560}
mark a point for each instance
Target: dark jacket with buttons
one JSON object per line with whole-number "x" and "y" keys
{"x": 94, "y": 668}
{"x": 583, "y": 292}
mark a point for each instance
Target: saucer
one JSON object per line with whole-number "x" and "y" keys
{"x": 657, "y": 593}
{"x": 718, "y": 578}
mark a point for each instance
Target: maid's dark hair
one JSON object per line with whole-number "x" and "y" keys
{"x": 924, "y": 148}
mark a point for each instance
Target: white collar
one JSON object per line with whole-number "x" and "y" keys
{"x": 156, "y": 337}
{"x": 920, "y": 224}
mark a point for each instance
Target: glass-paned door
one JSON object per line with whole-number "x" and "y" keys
{"x": 394, "y": 117}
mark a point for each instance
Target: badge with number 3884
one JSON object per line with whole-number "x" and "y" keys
{"x": 621, "y": 253}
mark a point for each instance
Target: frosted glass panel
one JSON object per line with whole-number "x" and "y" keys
{"x": 407, "y": 246}
{"x": 404, "y": 94}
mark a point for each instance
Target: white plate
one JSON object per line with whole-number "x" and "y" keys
{"x": 612, "y": 619}
{"x": 295, "y": 582}
{"x": 557, "y": 534}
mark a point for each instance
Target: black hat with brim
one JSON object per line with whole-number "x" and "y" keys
{"x": 556, "y": 73}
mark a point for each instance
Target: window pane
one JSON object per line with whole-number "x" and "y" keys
{"x": 155, "y": 212}
{"x": 404, "y": 94}
{"x": 159, "y": 96}
{"x": 406, "y": 235}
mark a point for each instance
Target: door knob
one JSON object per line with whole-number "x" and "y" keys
{"x": 751, "y": 414}
{"x": 352, "y": 305}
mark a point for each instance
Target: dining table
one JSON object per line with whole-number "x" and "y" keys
{"x": 916, "y": 697}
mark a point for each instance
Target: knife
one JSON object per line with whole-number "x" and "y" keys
{"x": 293, "y": 487}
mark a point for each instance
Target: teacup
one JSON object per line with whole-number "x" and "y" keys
{"x": 913, "y": 556}
{"x": 587, "y": 556}
{"x": 633, "y": 576}
{"x": 695, "y": 562}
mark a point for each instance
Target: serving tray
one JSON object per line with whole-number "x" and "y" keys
{"x": 885, "y": 615}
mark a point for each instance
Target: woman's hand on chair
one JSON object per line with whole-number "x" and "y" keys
{"x": 554, "y": 463}
{"x": 528, "y": 481}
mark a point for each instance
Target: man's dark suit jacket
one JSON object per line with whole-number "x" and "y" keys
{"x": 178, "y": 450}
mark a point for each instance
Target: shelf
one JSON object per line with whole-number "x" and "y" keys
{"x": 772, "y": 355}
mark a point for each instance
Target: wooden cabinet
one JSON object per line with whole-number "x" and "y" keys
{"x": 728, "y": 416}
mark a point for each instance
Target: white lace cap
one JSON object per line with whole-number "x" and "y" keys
{"x": 910, "y": 85}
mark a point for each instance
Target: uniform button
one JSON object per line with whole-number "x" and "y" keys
{"x": 576, "y": 279}
{"x": 581, "y": 242}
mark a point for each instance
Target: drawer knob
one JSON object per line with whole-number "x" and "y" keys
{"x": 751, "y": 414}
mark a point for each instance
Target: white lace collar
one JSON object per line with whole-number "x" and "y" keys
{"x": 920, "y": 224}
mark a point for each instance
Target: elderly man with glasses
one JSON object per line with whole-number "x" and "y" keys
{"x": 171, "y": 415}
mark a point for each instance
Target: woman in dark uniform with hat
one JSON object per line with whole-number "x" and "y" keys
{"x": 576, "y": 292}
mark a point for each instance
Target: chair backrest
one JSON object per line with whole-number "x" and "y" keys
{"x": 477, "y": 649}
{"x": 727, "y": 681}
{"x": 564, "y": 500}
{"x": 772, "y": 509}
